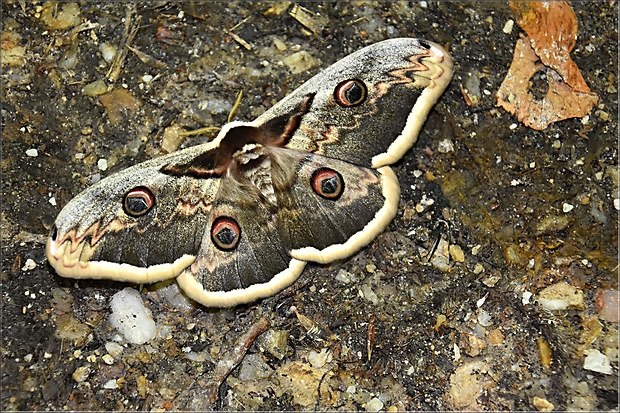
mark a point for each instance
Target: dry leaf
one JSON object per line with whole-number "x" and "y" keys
{"x": 552, "y": 31}
{"x": 117, "y": 102}
{"x": 560, "y": 102}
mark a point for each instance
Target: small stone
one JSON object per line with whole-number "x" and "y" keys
{"x": 29, "y": 265}
{"x": 71, "y": 329}
{"x": 57, "y": 17}
{"x": 141, "y": 385}
{"x": 496, "y": 337}
{"x": 171, "y": 293}
{"x": 471, "y": 345}
{"x": 567, "y": 207}
{"x": 345, "y": 276}
{"x": 542, "y": 405}
{"x": 440, "y": 259}
{"x": 551, "y": 224}
{"x": 173, "y": 136}
{"x": 131, "y": 318}
{"x": 561, "y": 296}
{"x": 456, "y": 252}
{"x": 110, "y": 384}
{"x": 253, "y": 368}
{"x": 545, "y": 354}
{"x": 102, "y": 164}
{"x": 491, "y": 280}
{"x": 457, "y": 353}
{"x": 96, "y": 88}
{"x": 369, "y": 294}
{"x": 81, "y": 373}
{"x": 119, "y": 103}
{"x": 279, "y": 44}
{"x": 300, "y": 62}
{"x": 318, "y": 360}
{"x": 275, "y": 342}
{"x": 484, "y": 318}
{"x": 583, "y": 399}
{"x": 597, "y": 361}
{"x": 107, "y": 359}
{"x": 114, "y": 349}
{"x": 33, "y": 153}
{"x": 467, "y": 384}
{"x": 508, "y": 26}
{"x": 108, "y": 51}
{"x": 374, "y": 405}
{"x": 445, "y": 146}
{"x": 606, "y": 305}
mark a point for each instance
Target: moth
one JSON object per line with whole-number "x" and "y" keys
{"x": 237, "y": 218}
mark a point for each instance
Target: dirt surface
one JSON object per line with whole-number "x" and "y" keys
{"x": 441, "y": 312}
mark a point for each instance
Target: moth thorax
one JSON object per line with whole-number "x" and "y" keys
{"x": 258, "y": 172}
{"x": 248, "y": 153}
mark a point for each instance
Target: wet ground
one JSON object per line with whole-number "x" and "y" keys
{"x": 443, "y": 311}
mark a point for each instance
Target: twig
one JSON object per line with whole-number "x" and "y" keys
{"x": 239, "y": 40}
{"x": 128, "y": 36}
{"x": 234, "y": 357}
{"x": 145, "y": 58}
{"x": 235, "y": 106}
{"x": 203, "y": 394}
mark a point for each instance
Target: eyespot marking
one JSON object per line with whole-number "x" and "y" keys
{"x": 327, "y": 183}
{"x": 225, "y": 233}
{"x": 138, "y": 201}
{"x": 350, "y": 93}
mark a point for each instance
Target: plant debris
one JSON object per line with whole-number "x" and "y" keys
{"x": 551, "y": 29}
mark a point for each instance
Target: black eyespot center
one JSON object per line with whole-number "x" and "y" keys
{"x": 138, "y": 201}
{"x": 225, "y": 233}
{"x": 350, "y": 93}
{"x": 54, "y": 233}
{"x": 327, "y": 183}
{"x": 330, "y": 185}
{"x": 226, "y": 236}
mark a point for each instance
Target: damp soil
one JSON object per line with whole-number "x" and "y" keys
{"x": 440, "y": 312}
